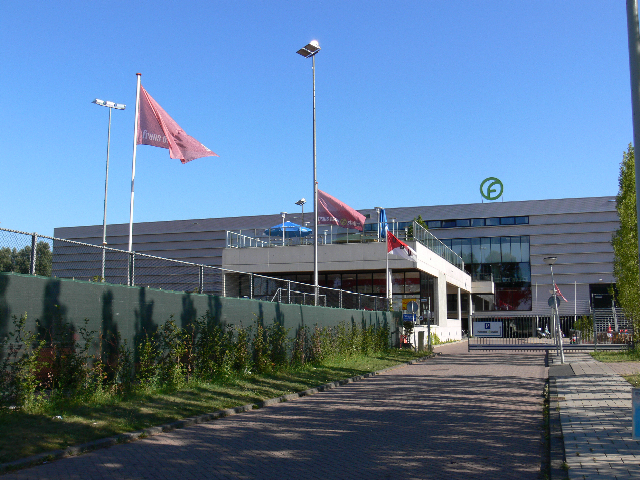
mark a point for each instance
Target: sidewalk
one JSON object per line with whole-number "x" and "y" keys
{"x": 459, "y": 415}
{"x": 595, "y": 412}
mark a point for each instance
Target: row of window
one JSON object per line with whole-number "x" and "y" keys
{"x": 478, "y": 222}
{"x": 461, "y": 222}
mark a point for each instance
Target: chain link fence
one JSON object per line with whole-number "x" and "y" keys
{"x": 30, "y": 253}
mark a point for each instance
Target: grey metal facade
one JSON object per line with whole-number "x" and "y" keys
{"x": 576, "y": 230}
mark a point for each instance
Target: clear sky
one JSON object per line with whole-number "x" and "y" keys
{"x": 416, "y": 102}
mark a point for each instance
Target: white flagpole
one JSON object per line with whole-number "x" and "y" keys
{"x": 386, "y": 254}
{"x": 133, "y": 166}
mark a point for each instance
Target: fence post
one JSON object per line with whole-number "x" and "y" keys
{"x": 201, "y": 279}
{"x": 341, "y": 298}
{"x": 131, "y": 269}
{"x": 251, "y": 286}
{"x": 34, "y": 241}
{"x": 224, "y": 284}
{"x": 289, "y": 292}
{"x": 595, "y": 333}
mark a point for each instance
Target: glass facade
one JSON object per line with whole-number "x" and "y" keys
{"x": 503, "y": 259}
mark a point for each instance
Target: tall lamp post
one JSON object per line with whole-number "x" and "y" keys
{"x": 284, "y": 214}
{"x": 301, "y": 202}
{"x": 110, "y": 106}
{"x": 307, "y": 51}
{"x": 558, "y": 331}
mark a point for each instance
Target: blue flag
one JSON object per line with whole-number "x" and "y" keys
{"x": 383, "y": 223}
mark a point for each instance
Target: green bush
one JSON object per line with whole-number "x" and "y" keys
{"x": 84, "y": 367}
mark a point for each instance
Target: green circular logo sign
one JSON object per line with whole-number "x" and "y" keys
{"x": 488, "y": 188}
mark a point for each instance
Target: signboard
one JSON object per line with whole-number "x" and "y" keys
{"x": 487, "y": 329}
{"x": 491, "y": 188}
{"x": 412, "y": 307}
{"x": 406, "y": 301}
{"x": 407, "y": 317}
{"x": 635, "y": 407}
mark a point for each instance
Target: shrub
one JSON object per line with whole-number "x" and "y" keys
{"x": 21, "y": 351}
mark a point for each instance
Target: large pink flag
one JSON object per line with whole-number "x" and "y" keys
{"x": 157, "y": 128}
{"x": 332, "y": 211}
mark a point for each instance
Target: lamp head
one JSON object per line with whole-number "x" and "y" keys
{"x": 550, "y": 260}
{"x": 106, "y": 103}
{"x": 310, "y": 49}
{"x": 301, "y": 202}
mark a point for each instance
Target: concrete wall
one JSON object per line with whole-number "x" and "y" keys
{"x": 132, "y": 311}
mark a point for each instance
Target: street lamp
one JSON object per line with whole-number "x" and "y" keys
{"x": 378, "y": 209}
{"x": 110, "y": 106}
{"x": 307, "y": 51}
{"x": 301, "y": 202}
{"x": 283, "y": 215}
{"x": 558, "y": 331}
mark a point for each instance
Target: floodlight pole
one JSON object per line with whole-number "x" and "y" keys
{"x": 310, "y": 50}
{"x": 111, "y": 106}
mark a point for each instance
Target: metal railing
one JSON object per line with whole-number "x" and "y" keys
{"x": 248, "y": 238}
{"x": 426, "y": 238}
{"x": 536, "y": 333}
{"x": 31, "y": 253}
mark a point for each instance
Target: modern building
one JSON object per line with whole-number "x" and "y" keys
{"x": 490, "y": 255}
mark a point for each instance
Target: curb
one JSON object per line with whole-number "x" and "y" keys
{"x": 557, "y": 458}
{"x": 46, "y": 457}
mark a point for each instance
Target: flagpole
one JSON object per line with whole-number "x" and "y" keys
{"x": 133, "y": 165}
{"x": 386, "y": 254}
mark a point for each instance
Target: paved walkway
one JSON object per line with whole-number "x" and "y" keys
{"x": 457, "y": 416}
{"x": 595, "y": 411}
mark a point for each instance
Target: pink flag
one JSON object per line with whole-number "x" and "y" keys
{"x": 332, "y": 211}
{"x": 398, "y": 247}
{"x": 559, "y": 293}
{"x": 157, "y": 128}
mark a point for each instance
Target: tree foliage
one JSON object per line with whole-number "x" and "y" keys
{"x": 19, "y": 261}
{"x": 420, "y": 222}
{"x": 625, "y": 241}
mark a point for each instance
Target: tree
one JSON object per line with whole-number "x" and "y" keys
{"x": 625, "y": 242}
{"x": 19, "y": 261}
{"x": 420, "y": 222}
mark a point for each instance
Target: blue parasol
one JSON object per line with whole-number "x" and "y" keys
{"x": 290, "y": 230}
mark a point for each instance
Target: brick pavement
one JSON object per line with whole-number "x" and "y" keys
{"x": 595, "y": 411}
{"x": 457, "y": 416}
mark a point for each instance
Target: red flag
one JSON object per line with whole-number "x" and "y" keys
{"x": 559, "y": 294}
{"x": 398, "y": 247}
{"x": 332, "y": 211}
{"x": 157, "y": 128}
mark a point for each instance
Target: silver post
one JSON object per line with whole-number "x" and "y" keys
{"x": 634, "y": 69}
{"x": 110, "y": 106}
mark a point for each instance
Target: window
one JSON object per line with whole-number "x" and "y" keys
{"x": 412, "y": 282}
{"x": 477, "y": 222}
{"x": 364, "y": 283}
{"x": 434, "y": 224}
{"x": 522, "y": 220}
{"x": 448, "y": 223}
{"x": 463, "y": 223}
{"x": 490, "y": 222}
{"x": 508, "y": 221}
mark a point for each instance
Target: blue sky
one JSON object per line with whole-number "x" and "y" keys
{"x": 416, "y": 102}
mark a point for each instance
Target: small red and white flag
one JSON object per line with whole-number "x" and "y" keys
{"x": 398, "y": 247}
{"x": 559, "y": 293}
{"x": 157, "y": 128}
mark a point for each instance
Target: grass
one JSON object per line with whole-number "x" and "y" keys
{"x": 612, "y": 357}
{"x": 24, "y": 434}
{"x": 625, "y": 356}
